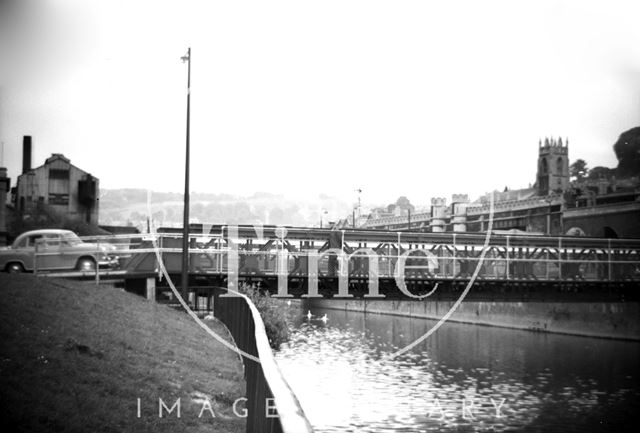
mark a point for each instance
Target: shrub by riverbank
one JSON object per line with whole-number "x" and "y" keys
{"x": 273, "y": 316}
{"x": 76, "y": 358}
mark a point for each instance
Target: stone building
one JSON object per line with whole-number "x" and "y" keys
{"x": 553, "y": 206}
{"x": 553, "y": 166}
{"x": 57, "y": 185}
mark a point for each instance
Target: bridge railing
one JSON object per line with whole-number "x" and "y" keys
{"x": 454, "y": 257}
{"x": 271, "y": 405}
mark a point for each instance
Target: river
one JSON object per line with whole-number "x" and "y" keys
{"x": 463, "y": 378}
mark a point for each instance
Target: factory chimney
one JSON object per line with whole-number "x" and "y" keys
{"x": 26, "y": 153}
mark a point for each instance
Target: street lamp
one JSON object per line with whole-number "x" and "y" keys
{"x": 549, "y": 200}
{"x": 185, "y": 222}
{"x": 324, "y": 212}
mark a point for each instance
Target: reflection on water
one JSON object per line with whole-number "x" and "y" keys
{"x": 463, "y": 378}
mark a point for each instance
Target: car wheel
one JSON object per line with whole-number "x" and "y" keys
{"x": 86, "y": 264}
{"x": 15, "y": 268}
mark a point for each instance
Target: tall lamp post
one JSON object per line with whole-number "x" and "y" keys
{"x": 184, "y": 290}
{"x": 549, "y": 200}
{"x": 324, "y": 212}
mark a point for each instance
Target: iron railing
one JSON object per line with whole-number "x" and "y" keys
{"x": 271, "y": 405}
{"x": 428, "y": 256}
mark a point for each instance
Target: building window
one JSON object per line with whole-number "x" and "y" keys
{"x": 58, "y": 173}
{"x": 59, "y": 186}
{"x": 559, "y": 169}
{"x": 543, "y": 166}
{"x": 59, "y": 199}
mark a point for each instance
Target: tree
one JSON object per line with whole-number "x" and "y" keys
{"x": 158, "y": 216}
{"x": 137, "y": 217}
{"x": 601, "y": 173}
{"x": 627, "y": 150}
{"x": 404, "y": 204}
{"x": 197, "y": 211}
{"x": 46, "y": 217}
{"x": 578, "y": 169}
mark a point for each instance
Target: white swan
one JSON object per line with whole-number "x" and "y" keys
{"x": 324, "y": 318}
{"x": 309, "y": 315}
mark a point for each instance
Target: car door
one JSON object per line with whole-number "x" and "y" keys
{"x": 48, "y": 252}
{"x": 71, "y": 248}
{"x": 24, "y": 250}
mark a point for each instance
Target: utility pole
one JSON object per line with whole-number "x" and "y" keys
{"x": 184, "y": 289}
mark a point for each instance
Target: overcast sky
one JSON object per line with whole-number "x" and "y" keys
{"x": 415, "y": 98}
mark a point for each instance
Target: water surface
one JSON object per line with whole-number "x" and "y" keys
{"x": 463, "y": 378}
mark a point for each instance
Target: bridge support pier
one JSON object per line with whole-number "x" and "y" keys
{"x": 151, "y": 289}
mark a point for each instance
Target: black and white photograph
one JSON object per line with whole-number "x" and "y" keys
{"x": 324, "y": 216}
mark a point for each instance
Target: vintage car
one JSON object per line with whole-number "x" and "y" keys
{"x": 56, "y": 250}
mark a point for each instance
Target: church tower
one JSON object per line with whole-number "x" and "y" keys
{"x": 553, "y": 166}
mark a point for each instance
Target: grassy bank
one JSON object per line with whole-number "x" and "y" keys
{"x": 75, "y": 357}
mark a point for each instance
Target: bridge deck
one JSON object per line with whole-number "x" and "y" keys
{"x": 338, "y": 263}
